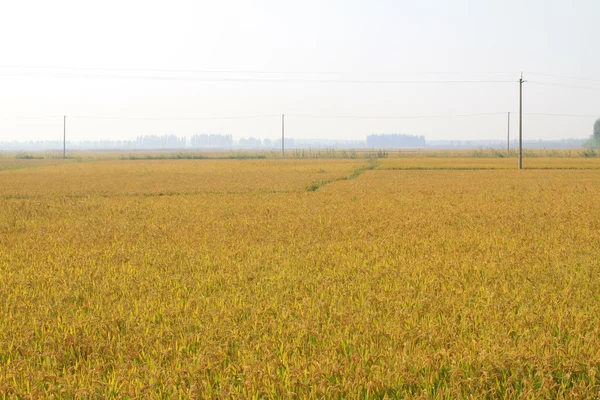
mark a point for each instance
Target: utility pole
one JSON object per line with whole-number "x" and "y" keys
{"x": 64, "y": 136}
{"x": 508, "y": 136}
{"x": 521, "y": 81}
{"x": 282, "y": 135}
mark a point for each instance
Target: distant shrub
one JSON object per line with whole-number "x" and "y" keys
{"x": 377, "y": 154}
{"x": 479, "y": 153}
{"x": 28, "y": 156}
{"x": 588, "y": 153}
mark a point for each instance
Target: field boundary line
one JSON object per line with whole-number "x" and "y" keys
{"x": 314, "y": 186}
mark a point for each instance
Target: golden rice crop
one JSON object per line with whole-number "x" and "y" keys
{"x": 462, "y": 162}
{"x": 237, "y": 282}
{"x": 164, "y": 177}
{"x": 15, "y": 163}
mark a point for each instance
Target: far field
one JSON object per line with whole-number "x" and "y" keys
{"x": 417, "y": 275}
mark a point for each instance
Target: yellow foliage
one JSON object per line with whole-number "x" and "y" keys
{"x": 227, "y": 278}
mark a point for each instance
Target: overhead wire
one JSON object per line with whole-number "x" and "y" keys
{"x": 246, "y": 80}
{"x": 229, "y": 71}
{"x": 171, "y": 118}
{"x": 165, "y": 118}
{"x": 542, "y": 83}
{"x": 395, "y": 117}
{"x": 564, "y": 77}
{"x": 25, "y": 117}
{"x": 564, "y": 115}
{"x": 116, "y": 117}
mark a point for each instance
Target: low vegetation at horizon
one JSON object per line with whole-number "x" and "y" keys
{"x": 445, "y": 275}
{"x": 9, "y": 158}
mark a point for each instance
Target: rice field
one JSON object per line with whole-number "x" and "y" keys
{"x": 418, "y": 277}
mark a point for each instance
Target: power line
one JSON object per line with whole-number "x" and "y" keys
{"x": 229, "y": 71}
{"x": 105, "y": 117}
{"x": 395, "y": 117}
{"x": 137, "y": 118}
{"x": 564, "y": 77}
{"x": 108, "y": 117}
{"x": 245, "y": 80}
{"x": 29, "y": 117}
{"x": 565, "y": 115}
{"x": 269, "y": 80}
{"x": 171, "y": 118}
{"x": 564, "y": 85}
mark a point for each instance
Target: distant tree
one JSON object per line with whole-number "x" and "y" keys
{"x": 594, "y": 141}
{"x": 395, "y": 140}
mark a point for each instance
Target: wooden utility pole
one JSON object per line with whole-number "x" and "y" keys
{"x": 521, "y": 81}
{"x": 508, "y": 136}
{"x": 64, "y": 136}
{"x": 282, "y": 135}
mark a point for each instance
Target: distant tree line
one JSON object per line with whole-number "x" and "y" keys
{"x": 395, "y": 140}
{"x": 164, "y": 141}
{"x": 151, "y": 142}
{"x": 140, "y": 142}
{"x": 211, "y": 140}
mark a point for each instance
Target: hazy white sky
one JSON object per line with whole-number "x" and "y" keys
{"x": 397, "y": 40}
